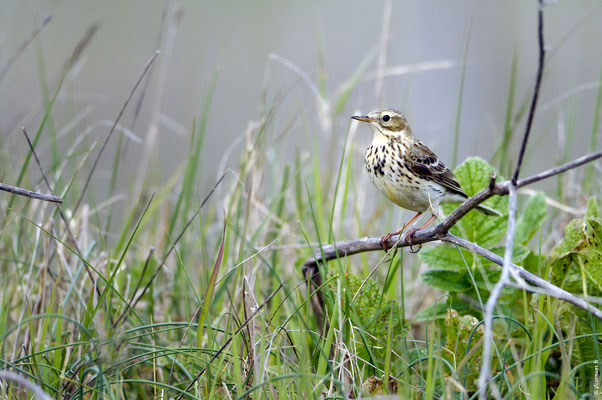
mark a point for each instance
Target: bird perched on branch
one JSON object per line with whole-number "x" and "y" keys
{"x": 407, "y": 172}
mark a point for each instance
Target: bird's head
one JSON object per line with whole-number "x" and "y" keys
{"x": 387, "y": 122}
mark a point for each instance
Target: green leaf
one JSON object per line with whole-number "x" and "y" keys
{"x": 534, "y": 213}
{"x": 446, "y": 257}
{"x": 446, "y": 279}
{"x": 572, "y": 237}
{"x": 473, "y": 175}
{"x": 580, "y": 249}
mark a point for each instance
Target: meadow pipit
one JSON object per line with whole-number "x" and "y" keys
{"x": 407, "y": 172}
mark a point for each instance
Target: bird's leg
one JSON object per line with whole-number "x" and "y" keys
{"x": 385, "y": 239}
{"x": 411, "y": 232}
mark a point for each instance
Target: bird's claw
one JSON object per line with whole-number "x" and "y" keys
{"x": 385, "y": 239}
{"x": 408, "y": 238}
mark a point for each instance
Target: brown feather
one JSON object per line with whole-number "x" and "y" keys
{"x": 425, "y": 165}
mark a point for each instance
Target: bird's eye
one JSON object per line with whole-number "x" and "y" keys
{"x": 386, "y": 117}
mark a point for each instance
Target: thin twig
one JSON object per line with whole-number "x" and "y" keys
{"x": 533, "y": 106}
{"x": 560, "y": 169}
{"x": 366, "y": 244}
{"x": 485, "y": 374}
{"x": 30, "y": 193}
{"x": 104, "y": 145}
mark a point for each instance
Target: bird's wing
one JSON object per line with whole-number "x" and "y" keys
{"x": 426, "y": 165}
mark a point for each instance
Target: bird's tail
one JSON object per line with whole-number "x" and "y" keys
{"x": 488, "y": 211}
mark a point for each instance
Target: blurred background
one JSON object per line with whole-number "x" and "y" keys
{"x": 261, "y": 93}
{"x": 301, "y": 56}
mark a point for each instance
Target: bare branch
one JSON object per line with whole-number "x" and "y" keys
{"x": 30, "y": 193}
{"x": 485, "y": 375}
{"x": 560, "y": 169}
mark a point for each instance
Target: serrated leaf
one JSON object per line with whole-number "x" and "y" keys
{"x": 533, "y": 214}
{"x": 453, "y": 281}
{"x": 473, "y": 175}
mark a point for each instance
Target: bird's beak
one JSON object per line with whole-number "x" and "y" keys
{"x": 363, "y": 118}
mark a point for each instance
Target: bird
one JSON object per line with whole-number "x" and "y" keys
{"x": 407, "y": 172}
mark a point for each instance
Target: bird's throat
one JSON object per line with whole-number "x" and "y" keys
{"x": 381, "y": 138}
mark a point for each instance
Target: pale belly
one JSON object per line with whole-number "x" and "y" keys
{"x": 400, "y": 186}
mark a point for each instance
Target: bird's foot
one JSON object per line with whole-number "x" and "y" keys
{"x": 385, "y": 239}
{"x": 409, "y": 238}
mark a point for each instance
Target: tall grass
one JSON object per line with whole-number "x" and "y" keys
{"x": 199, "y": 292}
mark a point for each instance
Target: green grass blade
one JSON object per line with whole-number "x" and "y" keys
{"x": 210, "y": 289}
